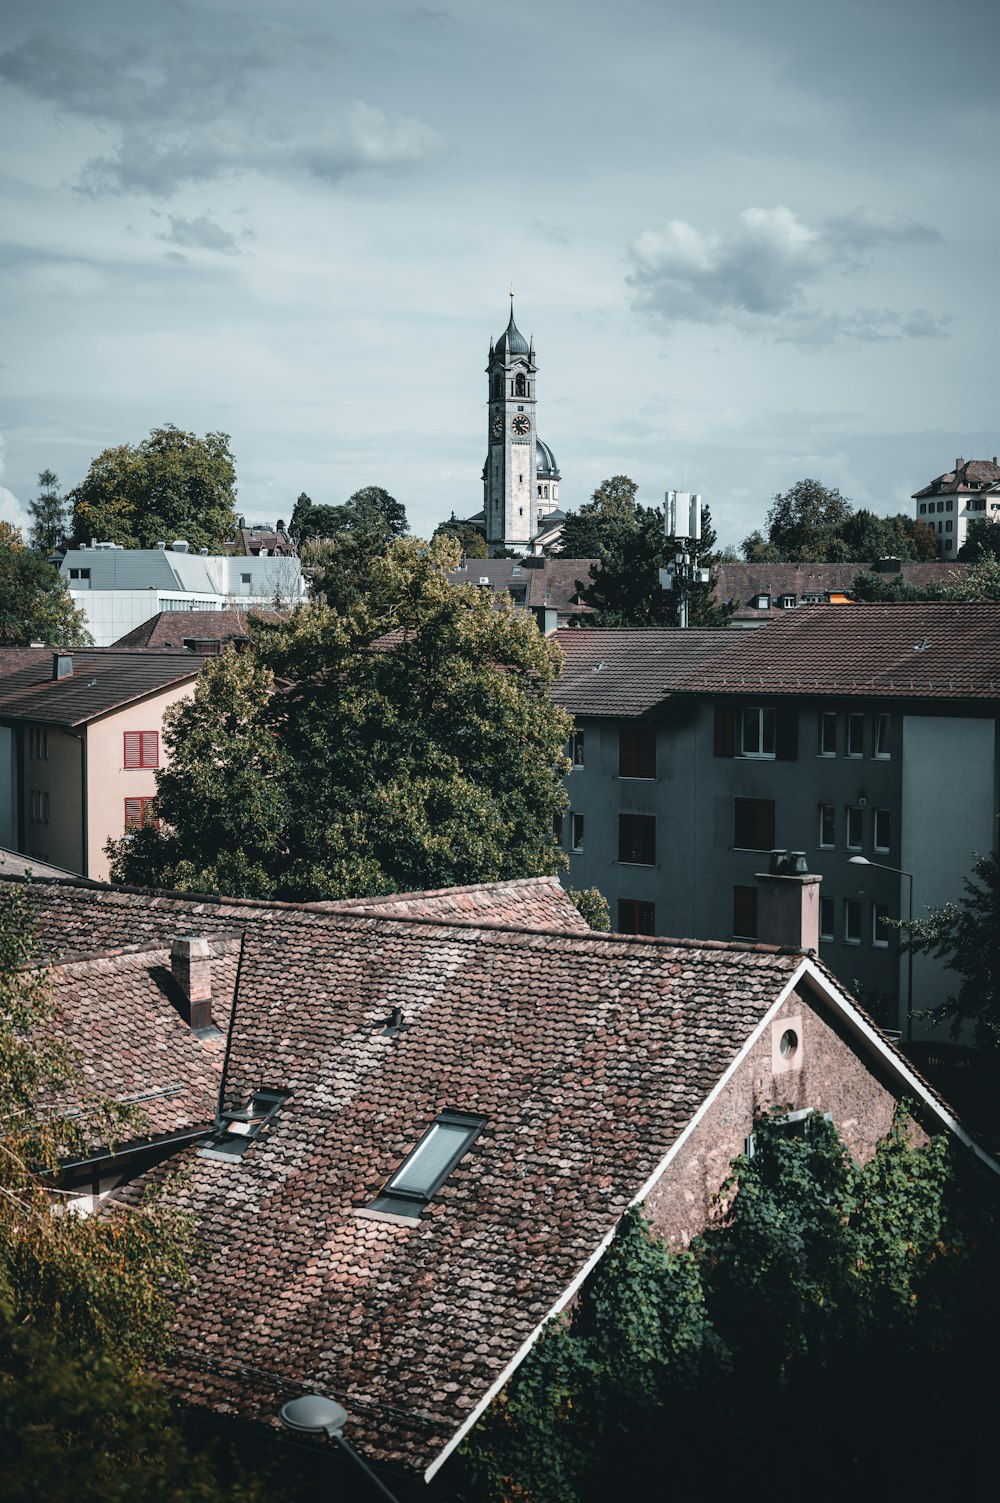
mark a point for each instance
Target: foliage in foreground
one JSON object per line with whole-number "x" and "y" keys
{"x": 84, "y": 1302}
{"x": 966, "y": 936}
{"x": 593, "y": 905}
{"x": 429, "y": 759}
{"x": 825, "y": 1311}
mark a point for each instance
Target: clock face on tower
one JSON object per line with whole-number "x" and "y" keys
{"x": 496, "y": 426}
{"x": 520, "y": 426}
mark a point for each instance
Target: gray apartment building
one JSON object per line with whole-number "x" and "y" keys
{"x": 842, "y": 731}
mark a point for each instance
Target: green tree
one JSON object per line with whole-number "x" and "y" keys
{"x": 982, "y": 541}
{"x": 426, "y": 758}
{"x": 811, "y": 523}
{"x": 35, "y": 603}
{"x": 171, "y": 485}
{"x": 817, "y": 1277}
{"x": 470, "y": 539}
{"x": 593, "y": 905}
{"x": 49, "y": 514}
{"x": 966, "y": 936}
{"x": 625, "y": 588}
{"x": 590, "y": 531}
{"x": 801, "y": 521}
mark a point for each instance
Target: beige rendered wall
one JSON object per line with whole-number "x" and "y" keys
{"x": 825, "y": 1073}
{"x": 108, "y": 782}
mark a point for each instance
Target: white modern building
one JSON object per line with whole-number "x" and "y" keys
{"x": 119, "y": 588}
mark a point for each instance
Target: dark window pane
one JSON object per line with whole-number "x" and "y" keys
{"x": 635, "y": 917}
{"x": 637, "y": 752}
{"x": 745, "y": 912}
{"x": 753, "y": 824}
{"x": 637, "y": 839}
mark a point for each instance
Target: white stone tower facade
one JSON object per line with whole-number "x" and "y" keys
{"x": 509, "y": 477}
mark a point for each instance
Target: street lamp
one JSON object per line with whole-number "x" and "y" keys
{"x": 314, "y": 1414}
{"x": 898, "y": 871}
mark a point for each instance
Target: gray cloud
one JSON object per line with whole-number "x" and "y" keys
{"x": 757, "y": 278}
{"x": 179, "y": 115}
{"x": 201, "y": 233}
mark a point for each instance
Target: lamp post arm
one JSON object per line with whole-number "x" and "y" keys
{"x": 345, "y": 1445}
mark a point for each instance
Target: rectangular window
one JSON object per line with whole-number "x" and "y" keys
{"x": 856, "y": 735}
{"x": 855, "y": 826}
{"x": 852, "y": 921}
{"x": 424, "y": 1170}
{"x": 744, "y": 913}
{"x": 637, "y": 839}
{"x": 637, "y": 752}
{"x": 136, "y": 812}
{"x": 578, "y": 832}
{"x": 787, "y": 602}
{"x": 557, "y": 829}
{"x": 880, "y": 925}
{"x": 236, "y": 1130}
{"x": 883, "y": 731}
{"x": 880, "y": 830}
{"x": 39, "y": 806}
{"x": 142, "y": 749}
{"x": 577, "y": 753}
{"x": 757, "y": 731}
{"x": 827, "y": 919}
{"x": 828, "y": 733}
{"x": 635, "y": 917}
{"x": 753, "y": 824}
{"x": 827, "y": 825}
{"x": 38, "y": 743}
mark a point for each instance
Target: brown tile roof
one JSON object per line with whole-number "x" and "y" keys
{"x": 968, "y": 475}
{"x": 619, "y": 671}
{"x": 586, "y": 1054}
{"x": 123, "y": 1015}
{"x": 528, "y": 903}
{"x": 926, "y": 650}
{"x": 16, "y": 864}
{"x": 550, "y": 582}
{"x": 172, "y": 628}
{"x": 103, "y": 679}
{"x": 743, "y": 582}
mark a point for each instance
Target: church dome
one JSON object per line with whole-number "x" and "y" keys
{"x": 511, "y": 341}
{"x": 545, "y": 462}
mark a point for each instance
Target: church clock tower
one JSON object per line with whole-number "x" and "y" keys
{"x": 510, "y": 492}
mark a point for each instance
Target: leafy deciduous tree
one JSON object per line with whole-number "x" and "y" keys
{"x": 35, "y": 604}
{"x": 966, "y": 936}
{"x": 471, "y": 541}
{"x": 171, "y": 485}
{"x": 430, "y": 759}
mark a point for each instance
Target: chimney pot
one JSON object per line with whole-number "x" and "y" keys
{"x": 191, "y": 965}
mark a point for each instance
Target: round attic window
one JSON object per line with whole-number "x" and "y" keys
{"x": 789, "y": 1042}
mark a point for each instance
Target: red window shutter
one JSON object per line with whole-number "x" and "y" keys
{"x": 725, "y": 731}
{"x": 150, "y": 749}
{"x": 133, "y": 748}
{"x": 133, "y": 812}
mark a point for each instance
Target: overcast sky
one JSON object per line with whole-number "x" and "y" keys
{"x": 754, "y": 242}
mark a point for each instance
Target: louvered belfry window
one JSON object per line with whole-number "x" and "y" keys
{"x": 142, "y": 749}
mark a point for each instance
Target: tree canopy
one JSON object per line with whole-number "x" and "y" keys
{"x": 426, "y": 758}
{"x": 812, "y": 523}
{"x": 630, "y": 547}
{"x": 171, "y": 485}
{"x": 982, "y": 541}
{"x": 966, "y": 935}
{"x": 370, "y": 512}
{"x": 470, "y": 539}
{"x": 981, "y": 581}
{"x": 818, "y": 1277}
{"x": 49, "y": 514}
{"x": 35, "y": 603}
{"x": 84, "y": 1301}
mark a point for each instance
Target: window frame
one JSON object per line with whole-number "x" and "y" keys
{"x": 879, "y": 817}
{"x": 646, "y": 822}
{"x": 410, "y": 1202}
{"x": 138, "y": 759}
{"x": 882, "y": 747}
{"x": 38, "y": 743}
{"x": 827, "y": 817}
{"x": 637, "y": 750}
{"x": 879, "y": 909}
{"x": 641, "y": 908}
{"x": 827, "y": 717}
{"x": 745, "y": 897}
{"x": 852, "y": 907}
{"x": 852, "y": 810}
{"x": 758, "y": 817}
{"x": 765, "y": 718}
{"x": 855, "y": 718}
{"x": 828, "y": 931}
{"x": 142, "y": 799}
{"x": 577, "y": 749}
{"x": 577, "y": 832}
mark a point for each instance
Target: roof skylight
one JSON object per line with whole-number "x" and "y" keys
{"x": 425, "y": 1169}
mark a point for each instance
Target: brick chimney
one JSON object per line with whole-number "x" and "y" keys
{"x": 191, "y": 964}
{"x": 788, "y": 903}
